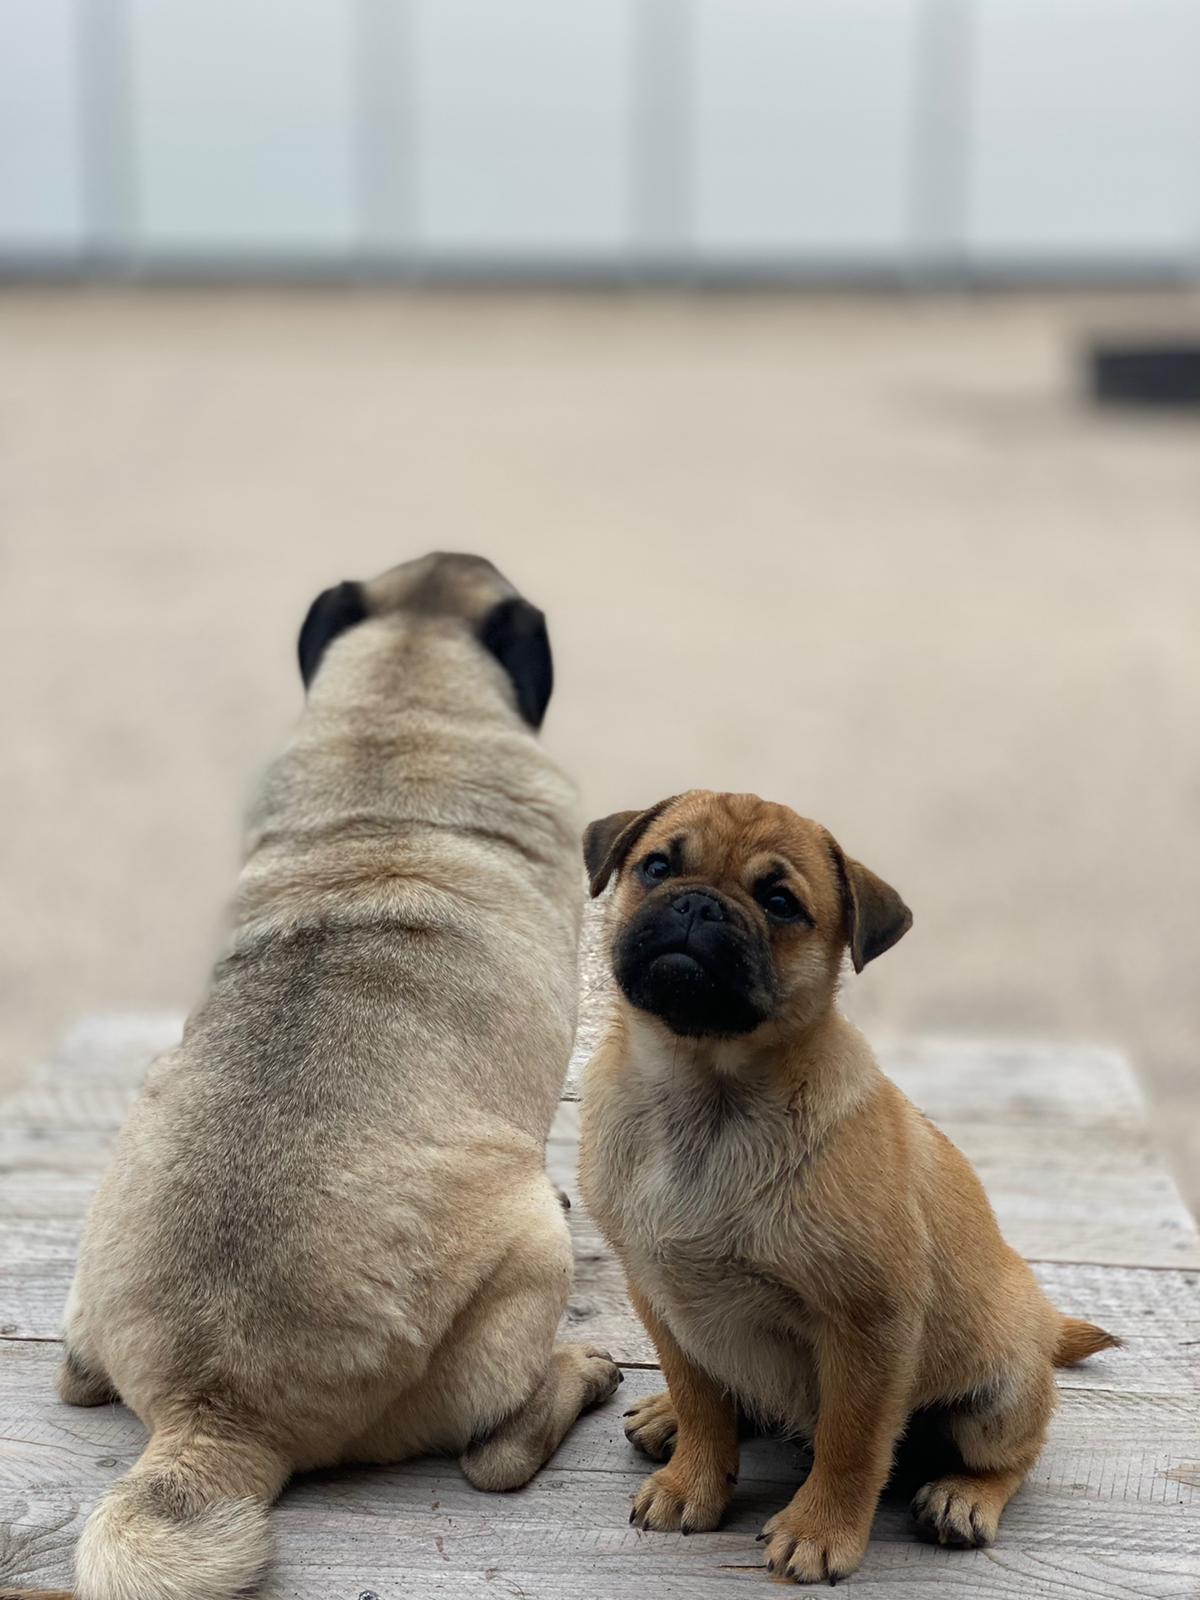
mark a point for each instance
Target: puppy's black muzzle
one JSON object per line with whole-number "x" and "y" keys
{"x": 693, "y": 960}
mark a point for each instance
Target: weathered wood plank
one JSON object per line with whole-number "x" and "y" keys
{"x": 109, "y": 1049}
{"x": 1057, "y": 1133}
{"x": 1156, "y": 1311}
{"x": 1110, "y": 1510}
{"x": 90, "y": 1077}
{"x": 1063, "y": 1191}
{"x": 1065, "y": 1187}
{"x": 38, "y": 1255}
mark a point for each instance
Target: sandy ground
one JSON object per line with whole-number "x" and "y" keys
{"x": 869, "y": 556}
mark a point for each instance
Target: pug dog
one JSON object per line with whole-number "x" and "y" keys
{"x": 800, "y": 1242}
{"x": 327, "y": 1234}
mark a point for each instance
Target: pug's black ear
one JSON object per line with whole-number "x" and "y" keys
{"x": 608, "y": 842}
{"x": 876, "y": 917}
{"x": 515, "y": 633}
{"x": 331, "y": 613}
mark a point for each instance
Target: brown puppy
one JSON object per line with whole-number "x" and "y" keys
{"x": 798, "y": 1239}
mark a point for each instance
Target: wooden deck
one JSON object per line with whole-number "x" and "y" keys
{"x": 1112, "y": 1509}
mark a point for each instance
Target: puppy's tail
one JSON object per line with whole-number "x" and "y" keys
{"x": 189, "y": 1522}
{"x": 1076, "y": 1340}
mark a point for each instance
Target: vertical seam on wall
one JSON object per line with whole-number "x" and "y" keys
{"x": 386, "y": 176}
{"x": 662, "y": 143}
{"x": 107, "y": 153}
{"x": 941, "y": 134}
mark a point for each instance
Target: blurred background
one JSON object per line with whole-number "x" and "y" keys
{"x": 749, "y": 337}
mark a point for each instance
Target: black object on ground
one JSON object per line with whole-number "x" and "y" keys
{"x": 1166, "y": 373}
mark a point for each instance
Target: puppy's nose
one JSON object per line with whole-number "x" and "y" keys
{"x": 698, "y": 906}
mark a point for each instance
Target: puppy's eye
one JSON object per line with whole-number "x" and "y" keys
{"x": 781, "y": 905}
{"x": 655, "y": 868}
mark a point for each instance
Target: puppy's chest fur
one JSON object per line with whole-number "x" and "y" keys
{"x": 700, "y": 1185}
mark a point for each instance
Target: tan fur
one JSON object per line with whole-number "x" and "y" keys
{"x": 799, "y": 1240}
{"x": 327, "y": 1234}
{"x": 1078, "y": 1340}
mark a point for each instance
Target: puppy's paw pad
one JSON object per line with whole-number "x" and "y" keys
{"x": 807, "y": 1549}
{"x": 667, "y": 1501}
{"x": 650, "y": 1426}
{"x": 950, "y": 1511}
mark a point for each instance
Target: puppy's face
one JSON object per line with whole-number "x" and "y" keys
{"x": 731, "y": 912}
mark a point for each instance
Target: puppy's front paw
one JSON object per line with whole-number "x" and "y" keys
{"x": 811, "y": 1545}
{"x": 671, "y": 1498}
{"x": 953, "y": 1511}
{"x": 651, "y": 1426}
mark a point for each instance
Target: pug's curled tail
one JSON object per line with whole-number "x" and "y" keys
{"x": 189, "y": 1522}
{"x": 1077, "y": 1339}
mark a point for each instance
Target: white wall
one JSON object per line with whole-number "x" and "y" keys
{"x": 244, "y": 128}
{"x": 1085, "y": 131}
{"x": 702, "y": 135}
{"x": 803, "y": 116}
{"x": 42, "y": 213}
{"x": 522, "y": 128}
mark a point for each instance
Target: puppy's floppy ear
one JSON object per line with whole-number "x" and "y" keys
{"x": 515, "y": 633}
{"x": 607, "y": 843}
{"x": 876, "y": 917}
{"x": 331, "y": 613}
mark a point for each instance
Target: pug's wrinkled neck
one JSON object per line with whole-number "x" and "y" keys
{"x": 409, "y": 749}
{"x": 391, "y": 670}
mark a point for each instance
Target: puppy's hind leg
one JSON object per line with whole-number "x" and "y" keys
{"x": 999, "y": 1436}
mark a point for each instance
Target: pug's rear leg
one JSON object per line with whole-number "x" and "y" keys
{"x": 80, "y": 1385}
{"x": 498, "y": 1391}
{"x": 578, "y": 1377}
{"x": 520, "y": 1390}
